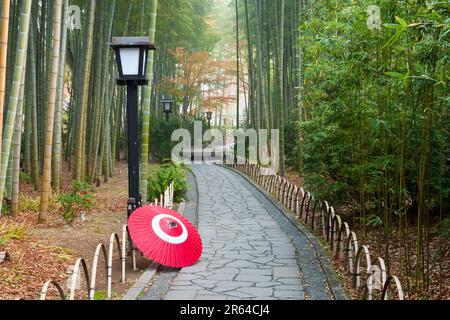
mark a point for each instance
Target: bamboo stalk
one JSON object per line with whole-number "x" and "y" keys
{"x": 147, "y": 106}
{"x": 84, "y": 97}
{"x": 34, "y": 117}
{"x": 57, "y": 148}
{"x": 4, "y": 26}
{"x": 14, "y": 97}
{"x": 17, "y": 148}
{"x": 46, "y": 174}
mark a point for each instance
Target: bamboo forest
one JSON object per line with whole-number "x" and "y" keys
{"x": 350, "y": 98}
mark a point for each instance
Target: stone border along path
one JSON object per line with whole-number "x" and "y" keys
{"x": 251, "y": 249}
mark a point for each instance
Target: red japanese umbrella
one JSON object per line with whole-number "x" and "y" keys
{"x": 165, "y": 236}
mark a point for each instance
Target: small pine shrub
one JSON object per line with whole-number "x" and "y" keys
{"x": 76, "y": 202}
{"x": 81, "y": 187}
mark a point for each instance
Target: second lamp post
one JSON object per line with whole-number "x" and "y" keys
{"x": 209, "y": 117}
{"x": 167, "y": 108}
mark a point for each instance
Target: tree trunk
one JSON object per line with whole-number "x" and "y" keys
{"x": 17, "y": 148}
{"x": 46, "y": 174}
{"x": 57, "y": 148}
{"x": 146, "y": 107}
{"x": 84, "y": 97}
{"x": 237, "y": 66}
{"x": 281, "y": 107}
{"x": 34, "y": 117}
{"x": 19, "y": 65}
{"x": 4, "y": 25}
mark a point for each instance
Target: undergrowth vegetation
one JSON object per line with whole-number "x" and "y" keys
{"x": 11, "y": 232}
{"x": 373, "y": 126}
{"x": 159, "y": 181}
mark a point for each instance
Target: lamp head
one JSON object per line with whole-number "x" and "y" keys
{"x": 131, "y": 57}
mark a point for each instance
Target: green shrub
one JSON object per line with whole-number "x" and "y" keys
{"x": 158, "y": 182}
{"x": 161, "y": 131}
{"x": 291, "y": 145}
{"x": 76, "y": 202}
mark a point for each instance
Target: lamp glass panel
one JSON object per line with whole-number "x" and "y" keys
{"x": 144, "y": 62}
{"x": 130, "y": 61}
{"x": 167, "y": 106}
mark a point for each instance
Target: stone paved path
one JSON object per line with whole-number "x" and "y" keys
{"x": 246, "y": 253}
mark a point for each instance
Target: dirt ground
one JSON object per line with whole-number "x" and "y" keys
{"x": 294, "y": 178}
{"x": 45, "y": 251}
{"x": 439, "y": 258}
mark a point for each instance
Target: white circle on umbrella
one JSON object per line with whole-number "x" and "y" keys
{"x": 164, "y": 236}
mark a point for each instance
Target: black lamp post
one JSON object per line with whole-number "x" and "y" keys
{"x": 167, "y": 108}
{"x": 209, "y": 117}
{"x": 131, "y": 56}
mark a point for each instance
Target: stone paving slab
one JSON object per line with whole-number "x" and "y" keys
{"x": 318, "y": 278}
{"x": 250, "y": 251}
{"x": 246, "y": 253}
